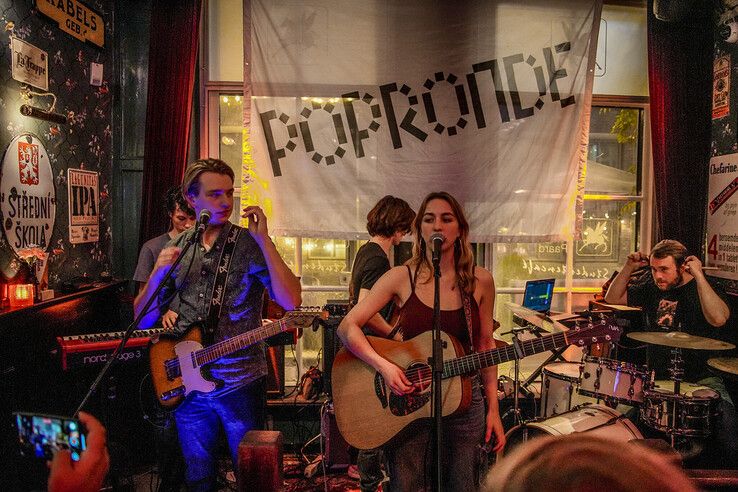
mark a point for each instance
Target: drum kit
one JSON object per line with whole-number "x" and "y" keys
{"x": 582, "y": 396}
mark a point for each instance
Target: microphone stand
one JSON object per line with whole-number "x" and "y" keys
{"x": 113, "y": 358}
{"x": 437, "y": 365}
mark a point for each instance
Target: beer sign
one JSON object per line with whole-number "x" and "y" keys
{"x": 84, "y": 206}
{"x": 75, "y": 18}
{"x": 27, "y": 194}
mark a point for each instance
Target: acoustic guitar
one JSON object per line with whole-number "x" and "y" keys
{"x": 369, "y": 415}
{"x": 178, "y": 364}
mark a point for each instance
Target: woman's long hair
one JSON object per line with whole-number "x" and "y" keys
{"x": 463, "y": 256}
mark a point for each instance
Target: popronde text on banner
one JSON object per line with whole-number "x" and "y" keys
{"x": 353, "y": 100}
{"x": 722, "y": 224}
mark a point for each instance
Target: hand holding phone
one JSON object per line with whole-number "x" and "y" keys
{"x": 88, "y": 474}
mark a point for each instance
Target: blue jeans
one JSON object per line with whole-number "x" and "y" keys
{"x": 409, "y": 460}
{"x": 200, "y": 419}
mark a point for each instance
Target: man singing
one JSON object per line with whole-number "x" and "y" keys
{"x": 239, "y": 405}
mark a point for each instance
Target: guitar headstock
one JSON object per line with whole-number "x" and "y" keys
{"x": 303, "y": 316}
{"x": 599, "y": 330}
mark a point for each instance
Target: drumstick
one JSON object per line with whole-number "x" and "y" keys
{"x": 710, "y": 268}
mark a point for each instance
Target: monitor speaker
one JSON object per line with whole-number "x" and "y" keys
{"x": 335, "y": 452}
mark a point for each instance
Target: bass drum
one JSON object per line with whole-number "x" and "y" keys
{"x": 595, "y": 419}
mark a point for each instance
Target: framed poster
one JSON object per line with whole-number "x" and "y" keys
{"x": 84, "y": 206}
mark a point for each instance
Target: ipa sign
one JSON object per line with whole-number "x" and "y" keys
{"x": 27, "y": 194}
{"x": 84, "y": 206}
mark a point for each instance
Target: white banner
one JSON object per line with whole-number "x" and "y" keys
{"x": 356, "y": 99}
{"x": 722, "y": 225}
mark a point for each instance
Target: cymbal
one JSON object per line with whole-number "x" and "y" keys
{"x": 680, "y": 339}
{"x": 724, "y": 364}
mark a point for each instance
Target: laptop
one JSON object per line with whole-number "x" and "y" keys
{"x": 538, "y": 295}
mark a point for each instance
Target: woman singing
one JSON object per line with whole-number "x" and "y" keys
{"x": 411, "y": 288}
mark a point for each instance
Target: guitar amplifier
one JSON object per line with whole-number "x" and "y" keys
{"x": 275, "y": 371}
{"x": 335, "y": 450}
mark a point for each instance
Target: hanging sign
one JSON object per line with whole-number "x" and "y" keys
{"x": 27, "y": 195}
{"x": 30, "y": 64}
{"x": 75, "y": 18}
{"x": 722, "y": 209}
{"x": 721, "y": 87}
{"x": 84, "y": 205}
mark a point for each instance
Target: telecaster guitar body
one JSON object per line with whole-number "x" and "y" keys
{"x": 174, "y": 381}
{"x": 178, "y": 364}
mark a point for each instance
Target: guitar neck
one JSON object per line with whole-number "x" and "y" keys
{"x": 480, "y": 360}
{"x": 234, "y": 344}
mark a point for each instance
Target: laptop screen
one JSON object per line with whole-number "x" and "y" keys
{"x": 539, "y": 295}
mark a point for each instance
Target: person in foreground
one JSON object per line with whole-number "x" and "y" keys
{"x": 87, "y": 474}
{"x": 583, "y": 463}
{"x": 387, "y": 222}
{"x": 411, "y": 288}
{"x": 239, "y": 404}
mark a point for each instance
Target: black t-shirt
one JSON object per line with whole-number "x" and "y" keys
{"x": 677, "y": 309}
{"x": 371, "y": 263}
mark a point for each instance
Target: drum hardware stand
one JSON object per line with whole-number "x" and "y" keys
{"x": 517, "y": 419}
{"x": 676, "y": 370}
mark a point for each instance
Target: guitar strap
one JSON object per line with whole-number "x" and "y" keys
{"x": 466, "y": 300}
{"x": 219, "y": 286}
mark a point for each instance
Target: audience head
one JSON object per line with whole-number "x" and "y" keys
{"x": 390, "y": 217}
{"x": 583, "y": 463}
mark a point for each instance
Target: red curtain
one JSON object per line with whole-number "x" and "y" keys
{"x": 680, "y": 84}
{"x": 172, "y": 66}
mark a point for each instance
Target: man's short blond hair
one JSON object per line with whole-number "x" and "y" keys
{"x": 191, "y": 178}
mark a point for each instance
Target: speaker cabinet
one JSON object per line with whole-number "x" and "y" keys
{"x": 335, "y": 452}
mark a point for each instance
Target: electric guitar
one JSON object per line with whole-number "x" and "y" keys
{"x": 369, "y": 414}
{"x": 178, "y": 363}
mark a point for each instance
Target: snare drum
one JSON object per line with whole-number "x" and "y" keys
{"x": 595, "y": 419}
{"x": 558, "y": 394}
{"x": 691, "y": 413}
{"x": 612, "y": 380}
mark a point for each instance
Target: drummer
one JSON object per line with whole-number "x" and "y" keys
{"x": 676, "y": 296}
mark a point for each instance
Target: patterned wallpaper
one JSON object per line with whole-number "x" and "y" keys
{"x": 85, "y": 142}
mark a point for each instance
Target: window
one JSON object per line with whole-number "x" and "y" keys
{"x": 616, "y": 216}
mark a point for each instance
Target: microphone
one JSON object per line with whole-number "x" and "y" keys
{"x": 204, "y": 219}
{"x": 436, "y": 241}
{"x": 202, "y": 224}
